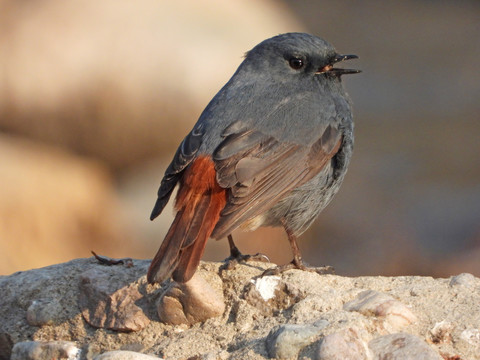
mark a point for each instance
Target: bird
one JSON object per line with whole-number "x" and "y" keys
{"x": 270, "y": 149}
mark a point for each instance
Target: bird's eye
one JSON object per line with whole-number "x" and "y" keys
{"x": 295, "y": 63}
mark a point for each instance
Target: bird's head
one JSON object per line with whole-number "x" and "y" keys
{"x": 290, "y": 55}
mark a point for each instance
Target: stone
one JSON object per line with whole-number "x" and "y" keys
{"x": 371, "y": 302}
{"x": 6, "y": 345}
{"x": 110, "y": 304}
{"x": 464, "y": 279}
{"x": 189, "y": 303}
{"x": 37, "y": 350}
{"x": 45, "y": 312}
{"x": 343, "y": 345}
{"x": 401, "y": 346}
{"x": 286, "y": 341}
{"x": 266, "y": 286}
{"x": 441, "y": 332}
{"x": 471, "y": 336}
{"x": 124, "y": 355}
{"x": 270, "y": 294}
{"x": 240, "y": 333}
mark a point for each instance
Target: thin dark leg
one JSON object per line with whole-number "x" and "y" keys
{"x": 297, "y": 262}
{"x": 237, "y": 257}
{"x": 234, "y": 252}
{"x": 297, "y": 256}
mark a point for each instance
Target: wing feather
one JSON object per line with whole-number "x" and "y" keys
{"x": 185, "y": 154}
{"x": 259, "y": 171}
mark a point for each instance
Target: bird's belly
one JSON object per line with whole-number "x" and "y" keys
{"x": 301, "y": 207}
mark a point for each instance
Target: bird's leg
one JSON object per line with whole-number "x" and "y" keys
{"x": 237, "y": 257}
{"x": 297, "y": 262}
{"x": 234, "y": 252}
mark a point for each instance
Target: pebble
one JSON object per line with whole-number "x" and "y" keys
{"x": 45, "y": 312}
{"x": 464, "y": 279}
{"x": 189, "y": 303}
{"x": 369, "y": 302}
{"x": 471, "y": 336}
{"x": 266, "y": 286}
{"x": 270, "y": 294}
{"x": 124, "y": 355}
{"x": 343, "y": 345}
{"x": 6, "y": 345}
{"x": 286, "y": 341}
{"x": 110, "y": 305}
{"x": 37, "y": 350}
{"x": 401, "y": 346}
{"x": 441, "y": 332}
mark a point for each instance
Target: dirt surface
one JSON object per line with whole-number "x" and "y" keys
{"x": 294, "y": 315}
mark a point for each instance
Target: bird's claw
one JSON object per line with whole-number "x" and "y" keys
{"x": 236, "y": 258}
{"x": 299, "y": 265}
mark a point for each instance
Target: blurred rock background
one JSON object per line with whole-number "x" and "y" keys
{"x": 96, "y": 96}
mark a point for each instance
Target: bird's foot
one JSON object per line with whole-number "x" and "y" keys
{"x": 298, "y": 264}
{"x": 236, "y": 257}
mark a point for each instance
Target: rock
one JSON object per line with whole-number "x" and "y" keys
{"x": 6, "y": 346}
{"x": 441, "y": 332}
{"x": 124, "y": 355}
{"x": 266, "y": 286}
{"x": 286, "y": 341}
{"x": 308, "y": 329}
{"x": 270, "y": 294}
{"x": 107, "y": 304}
{"x": 343, "y": 345}
{"x": 45, "y": 312}
{"x": 36, "y": 350}
{"x": 189, "y": 303}
{"x": 402, "y": 346}
{"x": 465, "y": 279}
{"x": 471, "y": 336}
{"x": 371, "y": 302}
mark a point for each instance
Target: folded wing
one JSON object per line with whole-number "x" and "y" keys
{"x": 259, "y": 170}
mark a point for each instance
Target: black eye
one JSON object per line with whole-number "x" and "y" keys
{"x": 295, "y": 63}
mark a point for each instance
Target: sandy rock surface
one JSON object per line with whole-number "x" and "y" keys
{"x": 295, "y": 315}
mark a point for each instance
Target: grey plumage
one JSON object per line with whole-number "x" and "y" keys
{"x": 280, "y": 135}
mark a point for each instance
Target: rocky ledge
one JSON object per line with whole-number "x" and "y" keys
{"x": 86, "y": 310}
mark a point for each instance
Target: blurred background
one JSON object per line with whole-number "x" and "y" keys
{"x": 95, "y": 97}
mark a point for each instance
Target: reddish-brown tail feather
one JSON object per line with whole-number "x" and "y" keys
{"x": 199, "y": 202}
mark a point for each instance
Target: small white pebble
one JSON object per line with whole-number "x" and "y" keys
{"x": 73, "y": 353}
{"x": 266, "y": 286}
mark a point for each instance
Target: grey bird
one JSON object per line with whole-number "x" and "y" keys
{"x": 270, "y": 149}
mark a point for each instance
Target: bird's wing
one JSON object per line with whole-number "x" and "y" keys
{"x": 185, "y": 154}
{"x": 259, "y": 170}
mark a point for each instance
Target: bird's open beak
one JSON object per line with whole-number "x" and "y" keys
{"x": 338, "y": 71}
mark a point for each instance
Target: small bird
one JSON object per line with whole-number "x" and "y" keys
{"x": 270, "y": 149}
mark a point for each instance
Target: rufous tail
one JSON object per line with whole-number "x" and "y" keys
{"x": 198, "y": 204}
